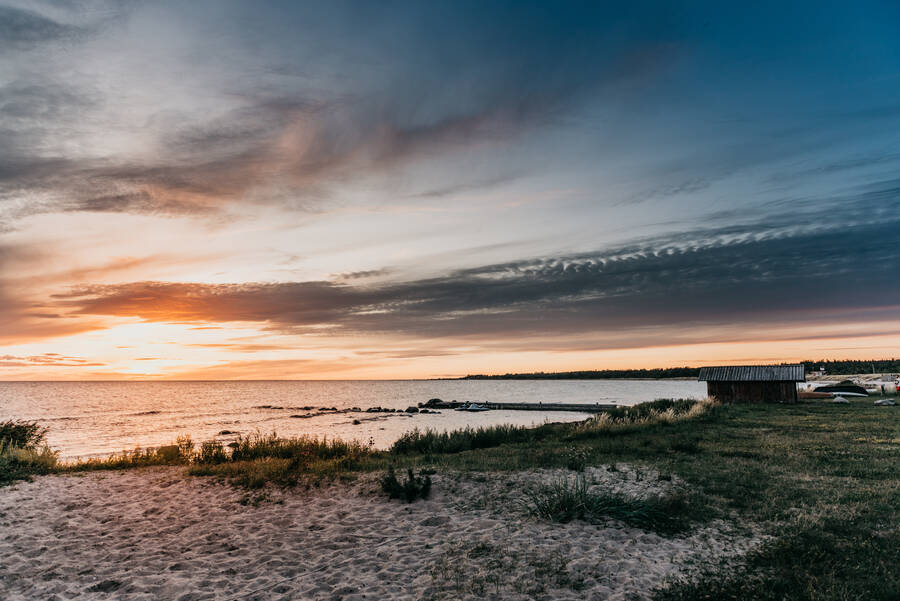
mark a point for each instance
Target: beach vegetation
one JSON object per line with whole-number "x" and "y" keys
{"x": 259, "y": 459}
{"x": 574, "y": 499}
{"x": 22, "y": 434}
{"x": 466, "y": 439}
{"x": 816, "y": 483}
{"x": 409, "y": 489}
{"x": 211, "y": 452}
{"x": 24, "y": 451}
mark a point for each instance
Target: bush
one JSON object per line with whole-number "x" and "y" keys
{"x": 24, "y": 451}
{"x": 577, "y": 458}
{"x": 410, "y": 489}
{"x": 25, "y": 435}
{"x": 211, "y": 451}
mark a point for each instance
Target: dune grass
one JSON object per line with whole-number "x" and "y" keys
{"x": 617, "y": 420}
{"x": 259, "y": 459}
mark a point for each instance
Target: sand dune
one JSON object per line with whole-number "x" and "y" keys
{"x": 155, "y": 534}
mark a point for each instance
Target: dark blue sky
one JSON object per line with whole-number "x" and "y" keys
{"x": 492, "y": 183}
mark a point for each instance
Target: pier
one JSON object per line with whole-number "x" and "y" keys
{"x": 539, "y": 406}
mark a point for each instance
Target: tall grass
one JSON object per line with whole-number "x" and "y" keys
{"x": 303, "y": 448}
{"x": 181, "y": 452}
{"x": 567, "y": 500}
{"x": 466, "y": 439}
{"x": 24, "y": 451}
{"x": 265, "y": 458}
{"x": 659, "y": 412}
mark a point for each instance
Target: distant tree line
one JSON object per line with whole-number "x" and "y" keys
{"x": 852, "y": 366}
{"x": 832, "y": 366}
{"x": 598, "y": 374}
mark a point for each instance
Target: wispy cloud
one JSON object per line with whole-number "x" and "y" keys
{"x": 289, "y": 141}
{"x": 23, "y": 28}
{"x": 733, "y": 277}
{"x": 46, "y": 360}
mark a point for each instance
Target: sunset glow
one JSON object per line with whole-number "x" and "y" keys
{"x": 295, "y": 193}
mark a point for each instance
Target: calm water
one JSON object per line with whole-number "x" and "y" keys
{"x": 97, "y": 418}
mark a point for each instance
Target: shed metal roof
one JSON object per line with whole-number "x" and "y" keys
{"x": 754, "y": 373}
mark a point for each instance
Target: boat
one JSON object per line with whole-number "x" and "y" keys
{"x": 472, "y": 407}
{"x": 845, "y": 388}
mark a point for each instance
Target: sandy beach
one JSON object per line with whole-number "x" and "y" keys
{"x": 156, "y": 534}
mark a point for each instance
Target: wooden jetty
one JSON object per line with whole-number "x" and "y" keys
{"x": 539, "y": 406}
{"x": 582, "y": 407}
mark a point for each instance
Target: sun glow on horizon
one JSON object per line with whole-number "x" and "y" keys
{"x": 323, "y": 196}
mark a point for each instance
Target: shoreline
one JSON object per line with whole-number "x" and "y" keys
{"x": 669, "y": 502}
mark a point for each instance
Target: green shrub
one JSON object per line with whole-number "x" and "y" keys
{"x": 22, "y": 434}
{"x": 576, "y": 458}
{"x": 410, "y": 489}
{"x": 24, "y": 451}
{"x": 211, "y": 451}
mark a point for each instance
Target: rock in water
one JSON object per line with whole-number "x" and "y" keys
{"x": 412, "y": 409}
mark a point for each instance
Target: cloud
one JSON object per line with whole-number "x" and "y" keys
{"x": 46, "y": 360}
{"x": 270, "y": 369}
{"x": 22, "y": 28}
{"x": 456, "y": 188}
{"x": 244, "y": 347}
{"x": 665, "y": 287}
{"x": 376, "y": 103}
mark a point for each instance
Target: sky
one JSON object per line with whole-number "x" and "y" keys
{"x": 327, "y": 190}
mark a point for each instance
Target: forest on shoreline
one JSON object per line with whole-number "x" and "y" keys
{"x": 831, "y": 366}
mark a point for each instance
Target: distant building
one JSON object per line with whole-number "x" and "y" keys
{"x": 753, "y": 383}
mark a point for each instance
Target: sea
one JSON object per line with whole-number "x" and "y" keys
{"x": 96, "y": 419}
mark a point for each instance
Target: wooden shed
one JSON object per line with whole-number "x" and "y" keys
{"x": 753, "y": 383}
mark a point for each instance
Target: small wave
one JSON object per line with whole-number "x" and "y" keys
{"x": 267, "y": 407}
{"x": 147, "y": 413}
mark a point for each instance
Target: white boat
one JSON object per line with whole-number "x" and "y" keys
{"x": 472, "y": 407}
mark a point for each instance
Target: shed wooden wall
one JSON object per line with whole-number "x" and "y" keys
{"x": 753, "y": 392}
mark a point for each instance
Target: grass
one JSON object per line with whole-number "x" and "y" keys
{"x": 567, "y": 500}
{"x": 618, "y": 420}
{"x": 820, "y": 479}
{"x": 24, "y": 451}
{"x": 259, "y": 459}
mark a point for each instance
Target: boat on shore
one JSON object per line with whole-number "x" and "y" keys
{"x": 845, "y": 388}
